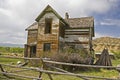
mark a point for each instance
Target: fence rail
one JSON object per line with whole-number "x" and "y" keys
{"x": 81, "y": 65}
{"x": 53, "y": 72}
{"x": 61, "y": 71}
{"x": 13, "y": 74}
{"x": 47, "y": 60}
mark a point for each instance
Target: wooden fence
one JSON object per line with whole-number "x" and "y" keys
{"x": 44, "y": 69}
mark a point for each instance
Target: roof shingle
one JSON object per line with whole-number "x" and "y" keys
{"x": 33, "y": 26}
{"x": 81, "y": 22}
{"x": 73, "y": 23}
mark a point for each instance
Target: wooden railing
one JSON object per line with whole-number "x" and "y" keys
{"x": 44, "y": 69}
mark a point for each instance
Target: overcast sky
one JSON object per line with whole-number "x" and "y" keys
{"x": 17, "y": 15}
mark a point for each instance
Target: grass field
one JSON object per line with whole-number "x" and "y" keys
{"x": 92, "y": 72}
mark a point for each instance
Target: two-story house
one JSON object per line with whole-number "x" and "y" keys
{"x": 52, "y": 33}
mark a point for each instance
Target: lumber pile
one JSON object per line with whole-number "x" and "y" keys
{"x": 104, "y": 59}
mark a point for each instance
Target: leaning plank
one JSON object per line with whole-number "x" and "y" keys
{"x": 58, "y": 73}
{"x": 45, "y": 67}
{"x": 12, "y": 57}
{"x": 18, "y": 71}
{"x": 28, "y": 77}
{"x": 61, "y": 70}
{"x": 79, "y": 75}
{"x": 104, "y": 59}
{"x": 1, "y": 68}
{"x": 79, "y": 65}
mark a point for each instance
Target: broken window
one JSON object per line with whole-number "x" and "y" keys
{"x": 48, "y": 25}
{"x": 47, "y": 46}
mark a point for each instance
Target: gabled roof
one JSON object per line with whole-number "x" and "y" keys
{"x": 34, "y": 26}
{"x": 84, "y": 22}
{"x": 50, "y": 9}
{"x": 81, "y": 22}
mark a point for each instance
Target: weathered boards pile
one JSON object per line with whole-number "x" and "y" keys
{"x": 104, "y": 59}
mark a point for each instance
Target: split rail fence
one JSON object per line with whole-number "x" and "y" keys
{"x": 45, "y": 66}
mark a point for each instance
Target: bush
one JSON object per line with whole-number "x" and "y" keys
{"x": 11, "y": 49}
{"x": 74, "y": 58}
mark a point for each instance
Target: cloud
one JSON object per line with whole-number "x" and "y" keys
{"x": 87, "y": 7}
{"x": 17, "y": 15}
{"x": 111, "y": 22}
{"x": 98, "y": 35}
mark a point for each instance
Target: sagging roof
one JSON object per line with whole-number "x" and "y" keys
{"x": 81, "y": 22}
{"x": 34, "y": 26}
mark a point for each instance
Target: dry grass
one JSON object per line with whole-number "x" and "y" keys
{"x": 92, "y": 72}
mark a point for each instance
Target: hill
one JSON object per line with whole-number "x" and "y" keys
{"x": 11, "y": 45}
{"x": 113, "y": 44}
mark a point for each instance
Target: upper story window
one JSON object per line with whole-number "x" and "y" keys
{"x": 48, "y": 25}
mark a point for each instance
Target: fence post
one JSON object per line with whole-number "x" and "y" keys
{"x": 45, "y": 67}
{"x": 3, "y": 70}
{"x": 40, "y": 73}
{"x": 65, "y": 71}
{"x": 118, "y": 69}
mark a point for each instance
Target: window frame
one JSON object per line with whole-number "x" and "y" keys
{"x": 48, "y": 26}
{"x": 47, "y": 47}
{"x": 33, "y": 50}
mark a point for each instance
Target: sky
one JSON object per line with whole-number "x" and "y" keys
{"x": 17, "y": 15}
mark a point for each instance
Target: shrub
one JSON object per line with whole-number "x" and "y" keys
{"x": 74, "y": 58}
{"x": 11, "y": 49}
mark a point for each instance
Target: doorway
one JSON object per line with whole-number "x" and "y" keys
{"x": 33, "y": 51}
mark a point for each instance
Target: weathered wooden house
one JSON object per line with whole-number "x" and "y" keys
{"x": 51, "y": 32}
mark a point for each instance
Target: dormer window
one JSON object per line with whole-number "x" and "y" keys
{"x": 48, "y": 25}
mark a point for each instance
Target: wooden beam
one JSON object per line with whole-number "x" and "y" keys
{"x": 61, "y": 70}
{"x": 18, "y": 71}
{"x": 79, "y": 33}
{"x": 45, "y": 66}
{"x": 76, "y": 31}
{"x": 1, "y": 68}
{"x": 76, "y": 42}
{"x": 23, "y": 76}
{"x": 69, "y": 74}
{"x": 27, "y": 58}
{"x": 80, "y": 65}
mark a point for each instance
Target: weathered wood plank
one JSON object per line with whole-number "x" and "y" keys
{"x": 76, "y": 33}
{"x": 80, "y": 65}
{"x": 21, "y": 76}
{"x": 77, "y": 42}
{"x": 60, "y": 73}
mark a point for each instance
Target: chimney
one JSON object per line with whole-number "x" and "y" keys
{"x": 66, "y": 16}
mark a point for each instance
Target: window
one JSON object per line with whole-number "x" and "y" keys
{"x": 47, "y": 46}
{"x": 48, "y": 24}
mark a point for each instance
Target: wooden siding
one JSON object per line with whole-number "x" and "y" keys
{"x": 61, "y": 36}
{"x": 78, "y": 37}
{"x": 51, "y": 38}
{"x": 72, "y": 38}
{"x": 78, "y": 45}
{"x": 32, "y": 36}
